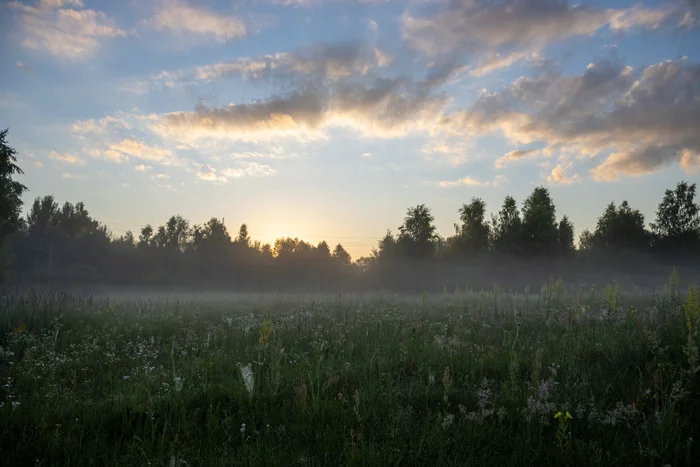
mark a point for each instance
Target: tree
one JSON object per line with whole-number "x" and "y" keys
{"x": 539, "y": 222}
{"x": 386, "y": 248}
{"x": 175, "y": 235}
{"x": 586, "y": 242}
{"x": 677, "y": 224}
{"x": 10, "y": 190}
{"x": 243, "y": 238}
{"x": 417, "y": 236}
{"x": 472, "y": 236}
{"x": 341, "y": 256}
{"x": 621, "y": 228}
{"x": 566, "y": 237}
{"x": 507, "y": 228}
{"x": 323, "y": 251}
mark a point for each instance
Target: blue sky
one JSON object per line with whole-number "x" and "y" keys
{"x": 327, "y": 119}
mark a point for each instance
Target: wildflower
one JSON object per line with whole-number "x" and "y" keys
{"x": 447, "y": 421}
{"x": 125, "y": 377}
{"x": 242, "y": 427}
{"x": 178, "y": 383}
{"x": 247, "y": 374}
{"x": 15, "y": 403}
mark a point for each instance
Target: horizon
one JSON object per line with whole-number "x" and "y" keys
{"x": 327, "y": 120}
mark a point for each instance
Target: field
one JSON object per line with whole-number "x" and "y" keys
{"x": 557, "y": 376}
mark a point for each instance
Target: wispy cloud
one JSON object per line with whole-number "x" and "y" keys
{"x": 514, "y": 155}
{"x": 64, "y": 33}
{"x": 251, "y": 169}
{"x": 502, "y": 33}
{"x": 180, "y": 17}
{"x": 66, "y": 158}
{"x": 319, "y": 62}
{"x": 469, "y": 181}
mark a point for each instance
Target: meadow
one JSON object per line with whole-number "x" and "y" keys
{"x": 563, "y": 375}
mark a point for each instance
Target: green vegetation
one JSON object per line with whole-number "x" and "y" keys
{"x": 594, "y": 377}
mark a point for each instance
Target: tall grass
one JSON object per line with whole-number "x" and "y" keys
{"x": 591, "y": 377}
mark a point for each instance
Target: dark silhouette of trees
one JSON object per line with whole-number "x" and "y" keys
{"x": 677, "y": 225}
{"x": 472, "y": 235}
{"x": 540, "y": 223}
{"x": 10, "y": 190}
{"x": 64, "y": 245}
{"x": 565, "y": 230}
{"x": 10, "y": 200}
{"x": 341, "y": 256}
{"x": 621, "y": 228}
{"x": 417, "y": 237}
{"x": 507, "y": 229}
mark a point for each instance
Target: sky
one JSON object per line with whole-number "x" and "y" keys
{"x": 327, "y": 119}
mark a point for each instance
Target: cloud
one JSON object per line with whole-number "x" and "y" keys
{"x": 453, "y": 150}
{"x": 278, "y": 153}
{"x": 63, "y": 32}
{"x": 502, "y": 33}
{"x": 70, "y": 176}
{"x": 514, "y": 155}
{"x": 688, "y": 21}
{"x": 642, "y": 120}
{"x": 66, "y": 158}
{"x": 160, "y": 177}
{"x": 469, "y": 181}
{"x": 142, "y": 168}
{"x": 559, "y": 176}
{"x": 211, "y": 177}
{"x": 366, "y": 154}
{"x": 319, "y": 62}
{"x": 381, "y": 108}
{"x": 177, "y": 16}
{"x": 131, "y": 148}
{"x": 251, "y": 169}
{"x": 24, "y": 67}
{"x": 52, "y": 4}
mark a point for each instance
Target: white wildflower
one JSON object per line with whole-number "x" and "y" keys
{"x": 248, "y": 378}
{"x": 447, "y": 421}
{"x": 178, "y": 383}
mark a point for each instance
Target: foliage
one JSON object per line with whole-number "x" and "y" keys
{"x": 10, "y": 190}
{"x": 539, "y": 223}
{"x": 677, "y": 224}
{"x": 65, "y": 245}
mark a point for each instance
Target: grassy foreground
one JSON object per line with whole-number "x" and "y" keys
{"x": 463, "y": 378}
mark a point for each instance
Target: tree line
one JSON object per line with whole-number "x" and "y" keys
{"x": 63, "y": 245}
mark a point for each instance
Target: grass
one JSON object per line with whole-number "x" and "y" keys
{"x": 463, "y": 378}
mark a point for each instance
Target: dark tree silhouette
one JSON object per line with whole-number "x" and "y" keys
{"x": 677, "y": 225}
{"x": 621, "y": 228}
{"x": 417, "y": 238}
{"x": 341, "y": 256}
{"x": 539, "y": 223}
{"x": 566, "y": 237}
{"x": 65, "y": 245}
{"x": 10, "y": 190}
{"x": 507, "y": 229}
{"x": 472, "y": 235}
